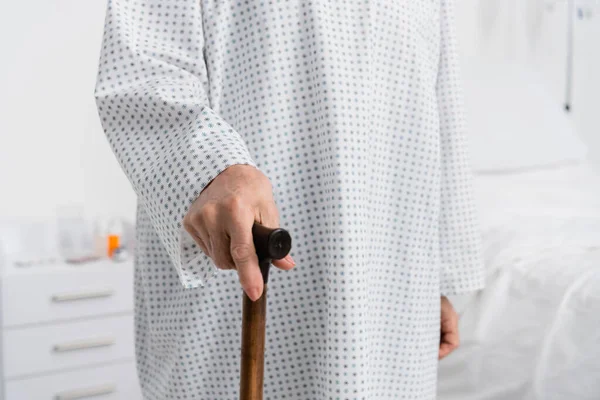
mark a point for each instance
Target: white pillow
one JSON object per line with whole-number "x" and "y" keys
{"x": 514, "y": 123}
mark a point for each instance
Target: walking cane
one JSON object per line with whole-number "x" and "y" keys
{"x": 271, "y": 244}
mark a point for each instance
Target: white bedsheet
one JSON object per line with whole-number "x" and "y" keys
{"x": 534, "y": 332}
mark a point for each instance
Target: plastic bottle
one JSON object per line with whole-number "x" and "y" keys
{"x": 114, "y": 232}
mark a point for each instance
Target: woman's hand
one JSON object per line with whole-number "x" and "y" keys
{"x": 449, "y": 337}
{"x": 221, "y": 220}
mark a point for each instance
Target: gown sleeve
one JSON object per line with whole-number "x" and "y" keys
{"x": 462, "y": 268}
{"x": 152, "y": 98}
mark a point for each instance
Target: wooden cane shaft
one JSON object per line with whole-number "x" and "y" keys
{"x": 254, "y": 315}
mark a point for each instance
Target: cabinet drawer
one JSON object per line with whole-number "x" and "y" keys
{"x": 55, "y": 347}
{"x": 67, "y": 293}
{"x": 114, "y": 382}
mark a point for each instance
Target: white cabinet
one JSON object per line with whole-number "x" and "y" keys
{"x": 44, "y": 349}
{"x": 113, "y": 382}
{"x": 68, "y": 332}
{"x": 66, "y": 293}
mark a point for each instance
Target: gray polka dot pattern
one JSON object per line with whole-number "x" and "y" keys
{"x": 352, "y": 108}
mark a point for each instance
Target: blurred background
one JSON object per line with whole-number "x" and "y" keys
{"x": 531, "y": 79}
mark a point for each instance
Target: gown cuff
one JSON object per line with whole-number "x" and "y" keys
{"x": 188, "y": 167}
{"x": 462, "y": 272}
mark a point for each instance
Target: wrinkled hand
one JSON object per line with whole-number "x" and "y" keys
{"x": 220, "y": 220}
{"x": 449, "y": 337}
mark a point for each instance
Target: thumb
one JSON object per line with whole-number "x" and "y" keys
{"x": 285, "y": 263}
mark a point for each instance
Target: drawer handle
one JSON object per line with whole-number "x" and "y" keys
{"x": 83, "y": 393}
{"x": 62, "y": 298}
{"x": 83, "y": 344}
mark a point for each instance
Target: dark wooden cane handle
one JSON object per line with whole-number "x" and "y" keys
{"x": 271, "y": 244}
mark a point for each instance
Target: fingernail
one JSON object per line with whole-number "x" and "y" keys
{"x": 254, "y": 294}
{"x": 289, "y": 259}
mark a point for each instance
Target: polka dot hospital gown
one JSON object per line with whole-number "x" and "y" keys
{"x": 352, "y": 108}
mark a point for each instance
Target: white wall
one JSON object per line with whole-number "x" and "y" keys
{"x": 586, "y": 76}
{"x": 551, "y": 60}
{"x": 534, "y": 33}
{"x": 52, "y": 148}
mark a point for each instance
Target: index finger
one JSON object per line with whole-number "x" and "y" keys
{"x": 244, "y": 255}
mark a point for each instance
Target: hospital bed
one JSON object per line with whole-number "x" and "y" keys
{"x": 534, "y": 332}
